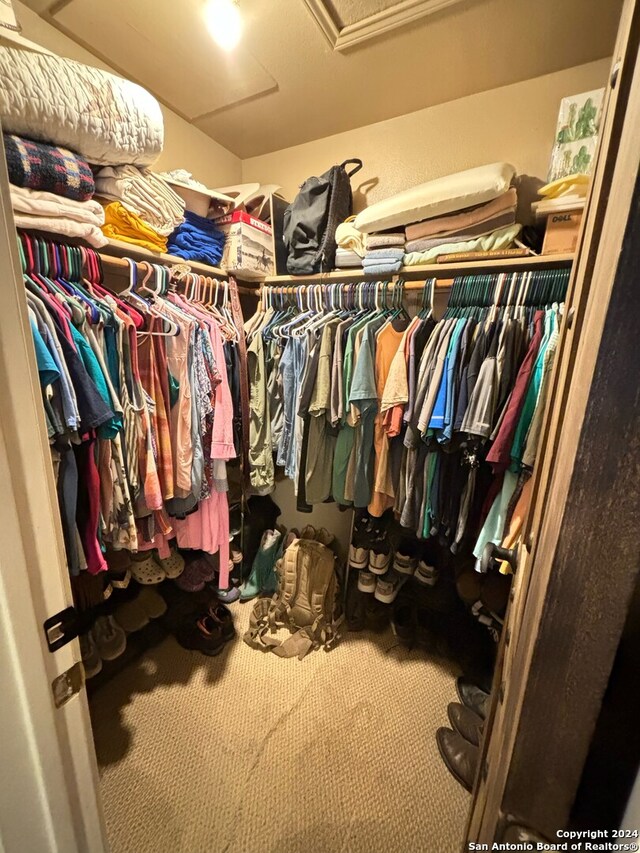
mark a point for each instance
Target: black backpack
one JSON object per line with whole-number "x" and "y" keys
{"x": 310, "y": 221}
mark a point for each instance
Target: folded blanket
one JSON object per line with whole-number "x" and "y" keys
{"x": 348, "y": 237}
{"x": 41, "y": 203}
{"x": 377, "y": 241}
{"x": 347, "y": 258}
{"x": 123, "y": 224}
{"x": 64, "y": 227}
{"x": 457, "y": 222}
{"x": 197, "y": 239}
{"x": 390, "y": 253}
{"x": 39, "y": 166}
{"x": 146, "y": 194}
{"x": 502, "y": 220}
{"x": 383, "y": 268}
{"x": 500, "y": 239}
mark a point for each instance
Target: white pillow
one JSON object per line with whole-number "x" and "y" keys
{"x": 437, "y": 198}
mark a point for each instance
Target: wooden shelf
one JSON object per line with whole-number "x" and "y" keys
{"x": 121, "y": 249}
{"x": 446, "y": 271}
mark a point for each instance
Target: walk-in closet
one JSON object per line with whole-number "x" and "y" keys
{"x": 318, "y": 361}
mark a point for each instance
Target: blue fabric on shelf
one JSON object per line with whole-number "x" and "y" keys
{"x": 388, "y": 253}
{"x": 197, "y": 239}
{"x": 383, "y": 268}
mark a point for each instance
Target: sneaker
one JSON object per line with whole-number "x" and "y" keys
{"x": 173, "y": 565}
{"x": 358, "y": 557}
{"x": 204, "y": 634}
{"x": 366, "y": 581}
{"x": 425, "y": 635}
{"x": 403, "y": 623}
{"x": 146, "y": 571}
{"x": 109, "y": 638}
{"x": 91, "y": 660}
{"x": 388, "y": 586}
{"x": 222, "y": 614}
{"x": 379, "y": 563}
{"x": 228, "y": 596}
{"x": 405, "y": 563}
{"x": 427, "y": 575}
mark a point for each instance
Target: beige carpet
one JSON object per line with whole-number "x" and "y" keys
{"x": 248, "y": 753}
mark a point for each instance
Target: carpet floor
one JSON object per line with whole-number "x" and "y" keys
{"x": 250, "y": 753}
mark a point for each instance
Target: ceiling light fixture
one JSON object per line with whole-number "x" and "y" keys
{"x": 224, "y": 22}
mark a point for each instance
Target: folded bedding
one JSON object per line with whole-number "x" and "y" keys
{"x": 437, "y": 198}
{"x": 106, "y": 119}
{"x": 458, "y": 222}
{"x": 197, "y": 239}
{"x": 146, "y": 194}
{"x": 500, "y": 239}
{"x": 382, "y": 268}
{"x": 347, "y": 258}
{"x": 348, "y": 237}
{"x": 64, "y": 227}
{"x": 378, "y": 241}
{"x": 123, "y": 224}
{"x": 502, "y": 220}
{"x": 389, "y": 253}
{"x": 41, "y": 203}
{"x": 39, "y": 166}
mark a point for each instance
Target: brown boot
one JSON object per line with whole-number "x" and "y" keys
{"x": 460, "y": 757}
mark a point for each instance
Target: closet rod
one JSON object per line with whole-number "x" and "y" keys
{"x": 442, "y": 286}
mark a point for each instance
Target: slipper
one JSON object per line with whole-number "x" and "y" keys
{"x": 147, "y": 572}
{"x": 191, "y": 578}
{"x": 152, "y": 603}
{"x": 172, "y": 566}
{"x": 131, "y": 616}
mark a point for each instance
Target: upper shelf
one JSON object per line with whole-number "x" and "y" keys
{"x": 435, "y": 270}
{"x": 120, "y": 249}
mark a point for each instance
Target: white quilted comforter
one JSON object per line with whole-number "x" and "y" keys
{"x": 104, "y": 118}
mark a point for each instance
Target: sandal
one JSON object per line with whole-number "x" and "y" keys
{"x": 147, "y": 572}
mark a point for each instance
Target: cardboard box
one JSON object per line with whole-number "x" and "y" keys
{"x": 248, "y": 250}
{"x": 561, "y": 234}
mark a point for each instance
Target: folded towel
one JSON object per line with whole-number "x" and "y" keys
{"x": 123, "y": 224}
{"x": 502, "y": 220}
{"x": 39, "y": 166}
{"x": 348, "y": 237}
{"x": 383, "y": 268}
{"x": 41, "y": 203}
{"x": 197, "y": 239}
{"x": 456, "y": 222}
{"x": 146, "y": 194}
{"x": 347, "y": 258}
{"x": 377, "y": 241}
{"x": 390, "y": 253}
{"x": 63, "y": 227}
{"x": 500, "y": 239}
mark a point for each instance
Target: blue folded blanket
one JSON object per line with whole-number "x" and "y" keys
{"x": 383, "y": 268}
{"x": 197, "y": 239}
{"x": 389, "y": 253}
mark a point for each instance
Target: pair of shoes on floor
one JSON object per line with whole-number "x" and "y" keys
{"x": 207, "y": 632}
{"x": 105, "y": 641}
{"x": 136, "y": 614}
{"x": 425, "y": 574}
{"x": 323, "y": 536}
{"x": 149, "y": 569}
{"x": 413, "y": 626}
{"x": 385, "y": 587}
{"x": 460, "y": 745}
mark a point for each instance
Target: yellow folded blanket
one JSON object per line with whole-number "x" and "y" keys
{"x": 123, "y": 224}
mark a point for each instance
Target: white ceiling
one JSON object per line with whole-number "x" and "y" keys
{"x": 310, "y": 68}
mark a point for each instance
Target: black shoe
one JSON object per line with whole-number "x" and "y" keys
{"x": 425, "y": 635}
{"x": 221, "y": 613}
{"x": 205, "y": 635}
{"x": 403, "y": 622}
{"x": 460, "y": 757}
{"x": 473, "y": 696}
{"x": 466, "y": 722}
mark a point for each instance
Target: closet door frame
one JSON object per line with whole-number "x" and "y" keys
{"x": 49, "y": 785}
{"x": 579, "y": 561}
